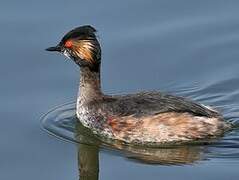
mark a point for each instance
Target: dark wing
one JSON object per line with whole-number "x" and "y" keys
{"x": 151, "y": 103}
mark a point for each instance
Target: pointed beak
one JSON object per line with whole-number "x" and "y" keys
{"x": 55, "y": 48}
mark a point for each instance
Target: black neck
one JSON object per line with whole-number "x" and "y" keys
{"x": 90, "y": 87}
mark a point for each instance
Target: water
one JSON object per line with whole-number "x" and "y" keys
{"x": 185, "y": 47}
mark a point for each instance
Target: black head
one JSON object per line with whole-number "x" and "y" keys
{"x": 82, "y": 46}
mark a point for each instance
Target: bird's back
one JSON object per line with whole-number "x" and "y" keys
{"x": 152, "y": 103}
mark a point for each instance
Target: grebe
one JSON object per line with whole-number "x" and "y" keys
{"x": 141, "y": 118}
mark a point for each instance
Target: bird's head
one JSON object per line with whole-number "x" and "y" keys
{"x": 82, "y": 46}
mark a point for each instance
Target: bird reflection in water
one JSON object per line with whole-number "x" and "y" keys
{"x": 89, "y": 146}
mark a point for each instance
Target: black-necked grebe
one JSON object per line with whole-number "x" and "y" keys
{"x": 142, "y": 118}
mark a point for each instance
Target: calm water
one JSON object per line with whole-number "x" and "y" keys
{"x": 185, "y": 47}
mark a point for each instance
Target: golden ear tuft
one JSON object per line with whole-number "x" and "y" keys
{"x": 84, "y": 49}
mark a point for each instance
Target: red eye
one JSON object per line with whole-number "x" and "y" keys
{"x": 68, "y": 44}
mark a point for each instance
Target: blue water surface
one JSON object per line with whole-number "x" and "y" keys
{"x": 185, "y": 47}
